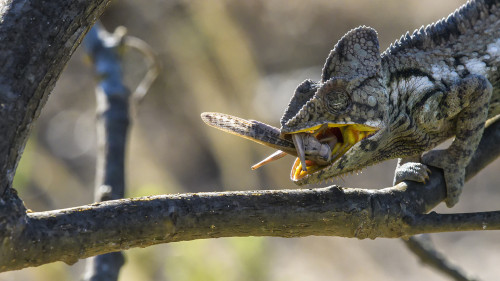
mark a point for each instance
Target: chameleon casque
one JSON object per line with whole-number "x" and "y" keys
{"x": 439, "y": 82}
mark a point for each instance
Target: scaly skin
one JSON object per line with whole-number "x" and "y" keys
{"x": 441, "y": 81}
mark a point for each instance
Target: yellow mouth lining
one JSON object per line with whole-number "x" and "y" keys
{"x": 347, "y": 135}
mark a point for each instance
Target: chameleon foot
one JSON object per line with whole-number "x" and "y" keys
{"x": 412, "y": 171}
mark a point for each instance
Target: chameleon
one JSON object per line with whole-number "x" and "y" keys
{"x": 440, "y": 82}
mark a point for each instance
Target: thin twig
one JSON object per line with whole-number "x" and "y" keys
{"x": 152, "y": 63}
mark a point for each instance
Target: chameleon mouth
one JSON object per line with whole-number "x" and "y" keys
{"x": 339, "y": 138}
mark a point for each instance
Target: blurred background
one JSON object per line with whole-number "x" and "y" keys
{"x": 243, "y": 58}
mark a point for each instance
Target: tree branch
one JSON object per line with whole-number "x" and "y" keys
{"x": 435, "y": 222}
{"x": 422, "y": 247}
{"x": 112, "y": 126}
{"x": 37, "y": 39}
{"x": 71, "y": 234}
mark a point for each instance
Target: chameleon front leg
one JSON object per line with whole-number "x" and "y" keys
{"x": 466, "y": 103}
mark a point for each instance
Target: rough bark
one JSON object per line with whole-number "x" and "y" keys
{"x": 38, "y": 38}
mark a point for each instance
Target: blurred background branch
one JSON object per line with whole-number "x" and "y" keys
{"x": 113, "y": 119}
{"x": 423, "y": 247}
{"x": 152, "y": 63}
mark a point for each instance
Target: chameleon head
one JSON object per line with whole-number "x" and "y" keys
{"x": 345, "y": 109}
{"x": 333, "y": 116}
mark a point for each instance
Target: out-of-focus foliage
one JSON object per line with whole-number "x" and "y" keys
{"x": 243, "y": 58}
{"x": 240, "y": 259}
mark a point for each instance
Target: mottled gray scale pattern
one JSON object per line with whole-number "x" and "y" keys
{"x": 466, "y": 42}
{"x": 357, "y": 53}
{"x": 304, "y": 92}
{"x": 355, "y": 100}
{"x": 457, "y": 28}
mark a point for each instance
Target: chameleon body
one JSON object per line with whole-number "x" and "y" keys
{"x": 442, "y": 81}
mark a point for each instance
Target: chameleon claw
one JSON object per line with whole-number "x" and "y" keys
{"x": 297, "y": 141}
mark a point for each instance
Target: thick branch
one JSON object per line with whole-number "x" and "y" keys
{"x": 75, "y": 233}
{"x": 38, "y": 38}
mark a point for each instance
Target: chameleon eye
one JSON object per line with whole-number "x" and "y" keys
{"x": 334, "y": 95}
{"x": 336, "y": 101}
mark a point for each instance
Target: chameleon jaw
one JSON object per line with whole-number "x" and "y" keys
{"x": 339, "y": 137}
